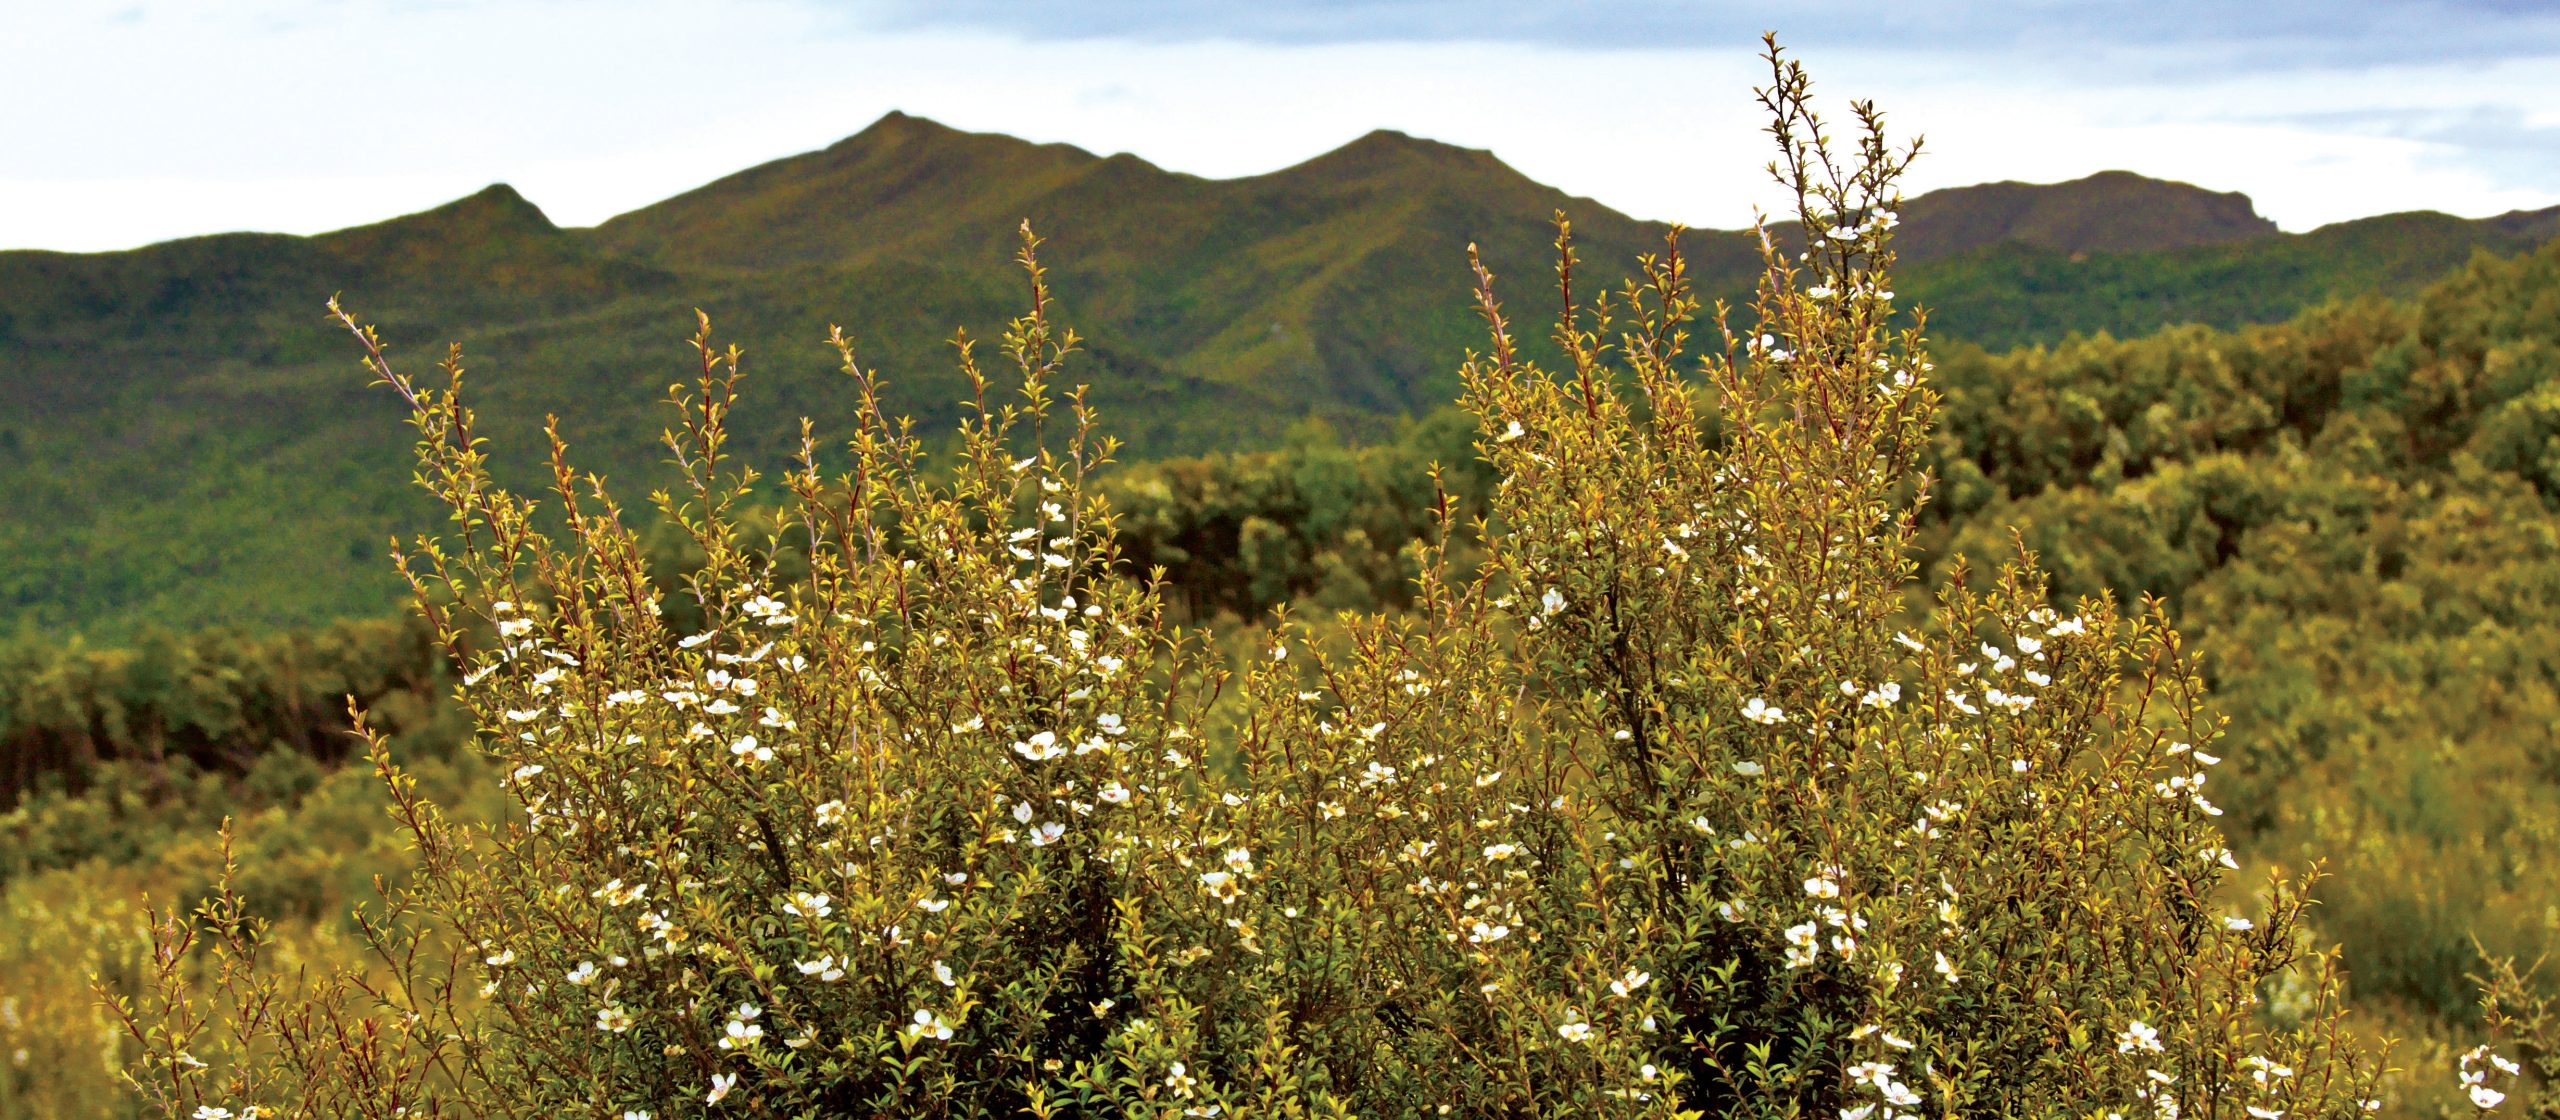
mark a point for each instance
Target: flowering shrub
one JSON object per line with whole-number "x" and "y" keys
{"x": 1669, "y": 807}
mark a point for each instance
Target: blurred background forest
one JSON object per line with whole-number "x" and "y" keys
{"x": 2335, "y": 454}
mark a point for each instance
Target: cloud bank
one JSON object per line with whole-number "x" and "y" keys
{"x": 168, "y": 119}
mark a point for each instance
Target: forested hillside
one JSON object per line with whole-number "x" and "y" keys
{"x": 187, "y": 445}
{"x": 2350, "y": 511}
{"x": 2338, "y": 463}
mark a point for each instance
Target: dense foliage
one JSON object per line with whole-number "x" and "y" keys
{"x": 2356, "y": 594}
{"x": 2349, "y": 514}
{"x": 214, "y": 700}
{"x": 1663, "y": 805}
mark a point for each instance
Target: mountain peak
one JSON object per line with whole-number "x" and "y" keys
{"x": 860, "y": 195}
{"x": 493, "y": 215}
{"x": 1385, "y": 152}
{"x": 494, "y": 208}
{"x": 2108, "y": 212}
{"x": 897, "y": 126}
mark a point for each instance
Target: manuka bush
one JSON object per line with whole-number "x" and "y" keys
{"x": 1673, "y": 805}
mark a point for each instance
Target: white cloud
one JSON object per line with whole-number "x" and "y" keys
{"x": 298, "y": 116}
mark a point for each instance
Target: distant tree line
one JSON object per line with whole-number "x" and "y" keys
{"x": 214, "y": 700}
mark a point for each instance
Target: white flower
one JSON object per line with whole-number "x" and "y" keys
{"x": 933, "y": 905}
{"x": 613, "y": 1018}
{"x": 1048, "y": 833}
{"x": 824, "y": 968}
{"x": 2485, "y": 1098}
{"x": 808, "y": 905}
{"x": 942, "y": 974}
{"x": 1762, "y": 712}
{"x": 2238, "y": 924}
{"x": 1511, "y": 432}
{"x": 1040, "y": 747}
{"x": 584, "y": 974}
{"x": 1803, "y": 947}
{"x": 929, "y": 1024}
{"x": 1748, "y": 769}
{"x": 1487, "y": 934}
{"x": 2266, "y": 1113}
{"x": 1115, "y": 794}
{"x": 1499, "y": 852}
{"x": 1821, "y": 888}
{"x": 1220, "y": 885}
{"x": 721, "y": 1083}
{"x": 1574, "y": 1030}
{"x": 1626, "y": 985}
{"x": 1552, "y": 601}
{"x": 2138, "y": 1035}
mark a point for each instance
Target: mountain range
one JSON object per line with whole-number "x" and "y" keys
{"x": 190, "y": 442}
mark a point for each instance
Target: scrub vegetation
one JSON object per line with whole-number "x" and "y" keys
{"x": 1791, "y": 719}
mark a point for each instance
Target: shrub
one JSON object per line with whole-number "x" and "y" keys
{"x": 1666, "y": 808}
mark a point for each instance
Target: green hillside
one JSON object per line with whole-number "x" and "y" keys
{"x": 189, "y": 442}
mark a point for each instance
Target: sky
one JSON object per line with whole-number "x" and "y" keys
{"x": 133, "y": 122}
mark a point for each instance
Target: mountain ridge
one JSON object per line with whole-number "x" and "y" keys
{"x": 2079, "y": 215}
{"x": 185, "y": 407}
